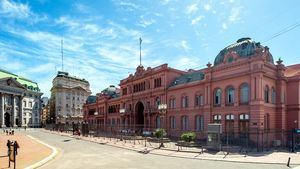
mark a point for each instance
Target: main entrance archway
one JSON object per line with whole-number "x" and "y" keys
{"x": 7, "y": 119}
{"x": 139, "y": 111}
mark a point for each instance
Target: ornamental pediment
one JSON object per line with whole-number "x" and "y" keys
{"x": 11, "y": 83}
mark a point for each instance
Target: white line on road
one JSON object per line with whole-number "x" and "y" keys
{"x": 45, "y": 160}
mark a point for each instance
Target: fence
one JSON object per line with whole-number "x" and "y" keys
{"x": 251, "y": 140}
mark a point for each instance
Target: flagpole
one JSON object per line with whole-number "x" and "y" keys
{"x": 140, "y": 51}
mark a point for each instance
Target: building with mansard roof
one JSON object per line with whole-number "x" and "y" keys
{"x": 68, "y": 94}
{"x": 244, "y": 91}
{"x": 20, "y": 101}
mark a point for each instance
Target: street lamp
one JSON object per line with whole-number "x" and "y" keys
{"x": 162, "y": 109}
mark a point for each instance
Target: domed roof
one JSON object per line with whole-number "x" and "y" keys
{"x": 111, "y": 91}
{"x": 244, "y": 47}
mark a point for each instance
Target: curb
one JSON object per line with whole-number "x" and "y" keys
{"x": 45, "y": 160}
{"x": 174, "y": 156}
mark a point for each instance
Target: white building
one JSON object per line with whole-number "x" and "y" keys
{"x": 20, "y": 101}
{"x": 68, "y": 94}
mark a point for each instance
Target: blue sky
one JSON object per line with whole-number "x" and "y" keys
{"x": 101, "y": 38}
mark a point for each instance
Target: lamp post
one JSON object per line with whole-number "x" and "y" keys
{"x": 122, "y": 113}
{"x": 293, "y": 133}
{"x": 162, "y": 109}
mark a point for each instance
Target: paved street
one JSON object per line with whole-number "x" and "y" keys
{"x": 82, "y": 154}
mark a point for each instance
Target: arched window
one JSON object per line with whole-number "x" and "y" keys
{"x": 244, "y": 94}
{"x": 217, "y": 97}
{"x": 217, "y": 118}
{"x": 230, "y": 95}
{"x": 199, "y": 126}
{"x": 185, "y": 122}
{"x": 267, "y": 94}
{"x": 273, "y": 96}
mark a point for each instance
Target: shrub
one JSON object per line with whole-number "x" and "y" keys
{"x": 188, "y": 136}
{"x": 160, "y": 132}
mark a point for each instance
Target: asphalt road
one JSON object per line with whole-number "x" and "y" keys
{"x": 80, "y": 154}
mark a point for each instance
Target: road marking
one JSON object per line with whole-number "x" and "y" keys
{"x": 45, "y": 160}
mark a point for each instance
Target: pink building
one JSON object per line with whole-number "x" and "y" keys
{"x": 244, "y": 90}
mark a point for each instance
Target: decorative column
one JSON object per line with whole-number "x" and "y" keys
{"x": 13, "y": 119}
{"x": 2, "y": 111}
{"x": 21, "y": 111}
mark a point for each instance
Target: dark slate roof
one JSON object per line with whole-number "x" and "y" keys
{"x": 244, "y": 47}
{"x": 66, "y": 75}
{"x": 111, "y": 91}
{"x": 91, "y": 99}
{"x": 187, "y": 78}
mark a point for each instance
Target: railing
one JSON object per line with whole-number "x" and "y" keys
{"x": 234, "y": 141}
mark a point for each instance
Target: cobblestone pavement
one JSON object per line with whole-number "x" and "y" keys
{"x": 30, "y": 151}
{"x": 76, "y": 153}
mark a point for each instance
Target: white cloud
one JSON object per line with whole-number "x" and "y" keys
{"x": 192, "y": 8}
{"x": 207, "y": 7}
{"x": 197, "y": 20}
{"x": 13, "y": 9}
{"x": 235, "y": 14}
{"x": 82, "y": 8}
{"x": 145, "y": 22}
{"x": 224, "y": 26}
{"x": 185, "y": 62}
{"x": 184, "y": 45}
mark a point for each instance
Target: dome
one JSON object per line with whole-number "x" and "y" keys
{"x": 111, "y": 91}
{"x": 244, "y": 48}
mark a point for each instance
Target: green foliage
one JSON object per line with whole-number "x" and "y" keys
{"x": 160, "y": 132}
{"x": 188, "y": 136}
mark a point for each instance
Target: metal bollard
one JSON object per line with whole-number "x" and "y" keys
{"x": 288, "y": 163}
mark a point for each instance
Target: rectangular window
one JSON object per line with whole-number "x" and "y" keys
{"x": 185, "y": 102}
{"x": 125, "y": 91}
{"x": 172, "y": 103}
{"x": 185, "y": 123}
{"x": 201, "y": 100}
{"x": 157, "y": 82}
{"x": 30, "y": 104}
{"x": 199, "y": 123}
{"x": 172, "y": 122}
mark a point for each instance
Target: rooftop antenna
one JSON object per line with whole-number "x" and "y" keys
{"x": 62, "y": 54}
{"x": 140, "y": 51}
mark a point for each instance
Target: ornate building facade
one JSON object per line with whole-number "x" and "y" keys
{"x": 244, "y": 89}
{"x": 20, "y": 101}
{"x": 68, "y": 94}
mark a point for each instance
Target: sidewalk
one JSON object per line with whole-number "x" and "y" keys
{"x": 171, "y": 150}
{"x": 30, "y": 151}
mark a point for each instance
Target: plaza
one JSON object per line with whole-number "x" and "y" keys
{"x": 84, "y": 153}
